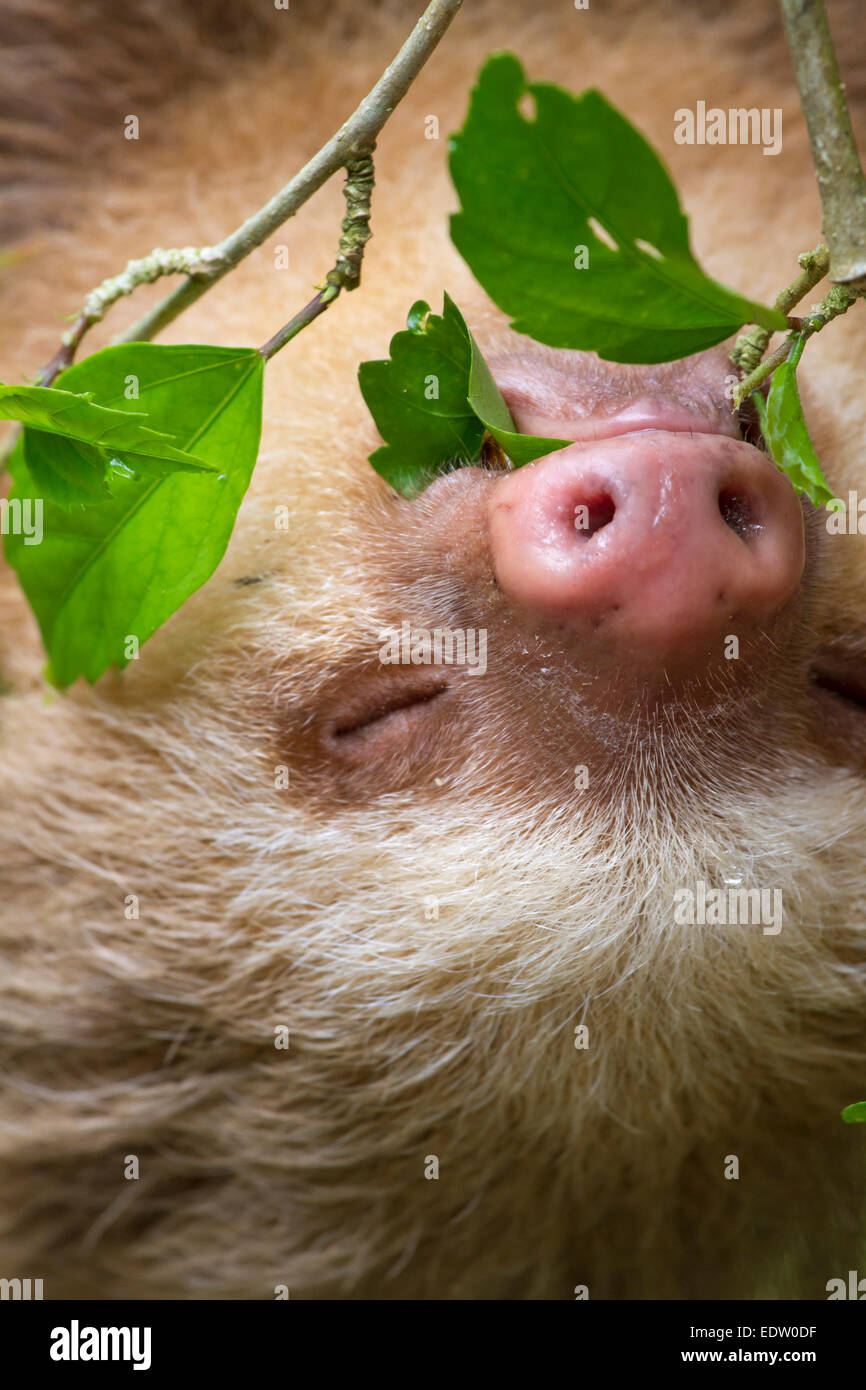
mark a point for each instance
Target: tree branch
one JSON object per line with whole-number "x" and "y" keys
{"x": 353, "y": 142}
{"x": 206, "y": 266}
{"x": 841, "y": 182}
{"x": 356, "y": 137}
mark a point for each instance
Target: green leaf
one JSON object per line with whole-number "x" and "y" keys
{"x": 530, "y": 192}
{"x": 66, "y": 471}
{"x": 434, "y": 400}
{"x": 118, "y": 569}
{"x": 855, "y": 1114}
{"x": 785, "y": 433}
{"x": 70, "y": 442}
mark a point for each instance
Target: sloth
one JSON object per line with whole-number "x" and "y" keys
{"x": 338, "y": 977}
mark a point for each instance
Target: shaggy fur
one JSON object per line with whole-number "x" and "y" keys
{"x": 411, "y": 1035}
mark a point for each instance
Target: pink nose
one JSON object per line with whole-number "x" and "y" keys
{"x": 657, "y": 544}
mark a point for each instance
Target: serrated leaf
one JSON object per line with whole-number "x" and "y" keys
{"x": 434, "y": 400}
{"x": 120, "y": 568}
{"x": 70, "y": 441}
{"x": 785, "y": 433}
{"x": 855, "y": 1114}
{"x": 533, "y": 191}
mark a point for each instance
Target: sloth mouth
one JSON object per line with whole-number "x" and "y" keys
{"x": 668, "y": 417}
{"x": 672, "y": 418}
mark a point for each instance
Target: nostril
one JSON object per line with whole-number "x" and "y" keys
{"x": 737, "y": 512}
{"x": 593, "y": 513}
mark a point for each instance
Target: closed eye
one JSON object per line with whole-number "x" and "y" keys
{"x": 846, "y": 681}
{"x": 364, "y": 716}
{"x": 838, "y": 679}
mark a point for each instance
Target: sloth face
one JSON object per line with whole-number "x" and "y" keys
{"x": 644, "y": 603}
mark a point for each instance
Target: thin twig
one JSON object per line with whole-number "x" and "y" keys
{"x": 837, "y": 301}
{"x": 841, "y": 182}
{"x": 750, "y": 347}
{"x": 813, "y": 267}
{"x": 66, "y": 352}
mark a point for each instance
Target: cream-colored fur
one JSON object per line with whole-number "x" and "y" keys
{"x": 305, "y": 907}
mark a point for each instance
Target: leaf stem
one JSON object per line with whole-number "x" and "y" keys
{"x": 346, "y": 273}
{"x": 310, "y": 311}
{"x": 66, "y": 352}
